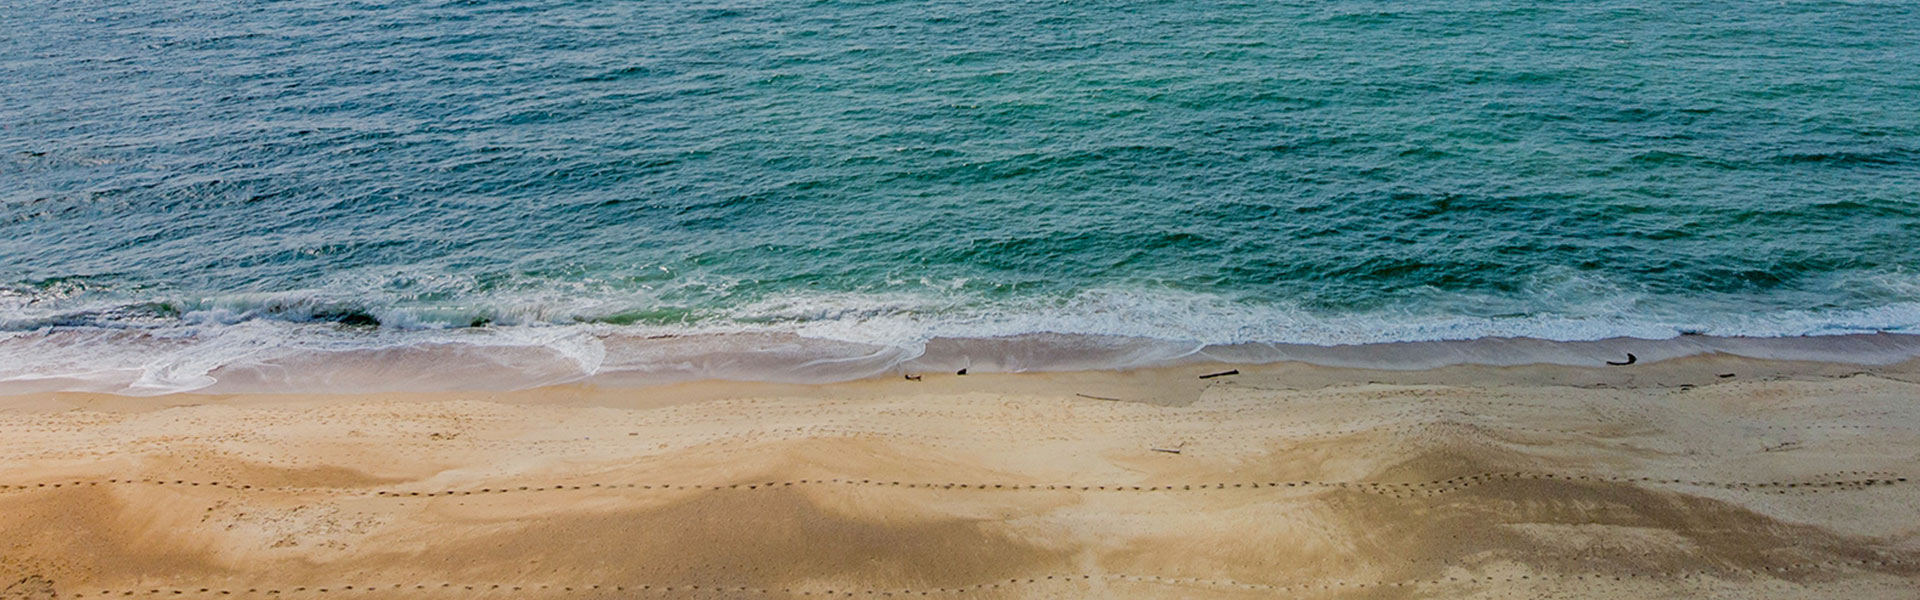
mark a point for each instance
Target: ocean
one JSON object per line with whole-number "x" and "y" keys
{"x": 382, "y": 195}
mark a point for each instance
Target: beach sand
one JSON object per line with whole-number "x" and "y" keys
{"x": 1778, "y": 480}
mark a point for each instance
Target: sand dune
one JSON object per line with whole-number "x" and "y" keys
{"x": 1784, "y": 480}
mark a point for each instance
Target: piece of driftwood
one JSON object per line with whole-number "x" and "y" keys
{"x": 913, "y": 378}
{"x": 1097, "y": 397}
{"x": 1630, "y": 360}
{"x": 1220, "y": 374}
{"x": 1169, "y": 450}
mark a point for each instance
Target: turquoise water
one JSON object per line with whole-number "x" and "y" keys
{"x": 209, "y": 184}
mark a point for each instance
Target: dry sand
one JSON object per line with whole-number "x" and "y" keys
{"x": 1785, "y": 480}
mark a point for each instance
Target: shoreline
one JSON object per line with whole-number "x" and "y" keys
{"x": 130, "y": 363}
{"x": 1158, "y": 385}
{"x": 1167, "y": 385}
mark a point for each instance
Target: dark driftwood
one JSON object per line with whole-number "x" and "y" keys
{"x": 1220, "y": 374}
{"x": 1166, "y": 450}
{"x": 1097, "y": 397}
{"x": 1630, "y": 360}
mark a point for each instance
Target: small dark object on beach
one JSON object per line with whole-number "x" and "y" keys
{"x": 1220, "y": 374}
{"x": 1166, "y": 450}
{"x": 1630, "y": 360}
{"x": 961, "y": 372}
{"x": 1725, "y": 375}
{"x": 1097, "y": 397}
{"x": 913, "y": 378}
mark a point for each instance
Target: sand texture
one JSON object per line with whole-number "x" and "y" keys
{"x": 1664, "y": 480}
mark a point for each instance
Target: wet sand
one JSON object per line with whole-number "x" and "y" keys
{"x": 1665, "y": 479}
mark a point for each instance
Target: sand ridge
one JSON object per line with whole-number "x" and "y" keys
{"x": 1511, "y": 483}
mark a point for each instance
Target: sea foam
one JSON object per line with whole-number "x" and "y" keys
{"x": 835, "y": 337}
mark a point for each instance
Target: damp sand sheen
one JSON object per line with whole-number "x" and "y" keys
{"x": 1707, "y": 476}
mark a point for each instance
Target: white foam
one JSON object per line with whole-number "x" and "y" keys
{"x": 238, "y": 345}
{"x": 1212, "y": 320}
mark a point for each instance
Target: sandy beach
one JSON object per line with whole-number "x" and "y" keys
{"x": 1698, "y": 477}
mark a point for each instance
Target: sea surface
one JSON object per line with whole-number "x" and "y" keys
{"x": 284, "y": 193}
